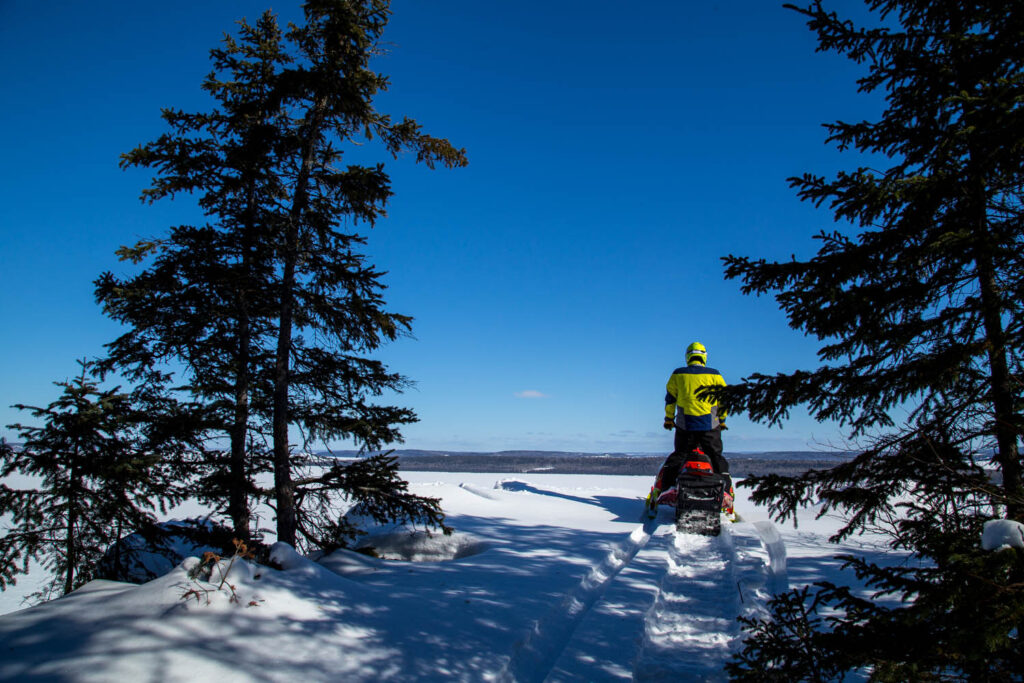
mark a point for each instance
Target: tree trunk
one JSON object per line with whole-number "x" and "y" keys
{"x": 238, "y": 486}
{"x": 1000, "y": 382}
{"x": 70, "y": 539}
{"x": 284, "y": 487}
{"x": 1007, "y": 451}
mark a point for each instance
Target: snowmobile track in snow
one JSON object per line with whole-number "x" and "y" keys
{"x": 535, "y": 656}
{"x": 688, "y": 632}
{"x": 690, "y": 628}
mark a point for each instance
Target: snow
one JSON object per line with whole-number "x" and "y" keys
{"x": 547, "y": 577}
{"x": 1002, "y": 533}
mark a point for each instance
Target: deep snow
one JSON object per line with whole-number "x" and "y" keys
{"x": 547, "y": 577}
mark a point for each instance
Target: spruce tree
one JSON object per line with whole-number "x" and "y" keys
{"x": 326, "y": 289}
{"x": 104, "y": 466}
{"x": 203, "y": 301}
{"x": 272, "y": 306}
{"x": 915, "y": 296}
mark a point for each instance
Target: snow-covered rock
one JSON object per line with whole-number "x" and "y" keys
{"x": 144, "y": 556}
{"x": 1002, "y": 533}
{"x": 285, "y": 556}
{"x": 423, "y": 546}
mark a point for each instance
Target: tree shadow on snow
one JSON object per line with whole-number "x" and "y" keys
{"x": 459, "y": 619}
{"x": 83, "y": 636}
{"x": 465, "y": 618}
{"x": 625, "y": 509}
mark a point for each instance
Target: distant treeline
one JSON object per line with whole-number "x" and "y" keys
{"x": 590, "y": 464}
{"x": 830, "y": 456}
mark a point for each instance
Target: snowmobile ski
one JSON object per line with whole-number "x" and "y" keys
{"x": 651, "y": 505}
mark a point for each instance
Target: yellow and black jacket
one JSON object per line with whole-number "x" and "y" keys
{"x": 693, "y": 414}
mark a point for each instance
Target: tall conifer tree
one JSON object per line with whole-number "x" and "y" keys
{"x": 204, "y": 301}
{"x": 922, "y": 307}
{"x": 326, "y": 288}
{"x": 918, "y": 309}
{"x": 272, "y": 306}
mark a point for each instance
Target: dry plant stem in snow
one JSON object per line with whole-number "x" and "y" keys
{"x": 201, "y": 575}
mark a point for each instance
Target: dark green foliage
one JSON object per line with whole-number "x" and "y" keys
{"x": 785, "y": 648}
{"x": 921, "y": 308}
{"x": 103, "y": 466}
{"x": 326, "y": 289}
{"x": 271, "y": 308}
{"x": 382, "y": 496}
{"x": 961, "y": 625}
{"x": 204, "y": 300}
{"x": 950, "y": 612}
{"x": 875, "y": 488}
{"x": 915, "y": 297}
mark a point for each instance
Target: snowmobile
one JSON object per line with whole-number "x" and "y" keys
{"x": 700, "y": 497}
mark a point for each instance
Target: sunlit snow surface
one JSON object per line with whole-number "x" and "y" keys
{"x": 547, "y": 577}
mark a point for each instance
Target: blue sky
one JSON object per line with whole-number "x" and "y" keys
{"x": 616, "y": 153}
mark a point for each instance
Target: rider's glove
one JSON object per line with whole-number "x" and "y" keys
{"x": 669, "y": 423}
{"x": 721, "y": 426}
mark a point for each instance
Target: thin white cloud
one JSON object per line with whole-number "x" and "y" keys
{"x": 530, "y": 393}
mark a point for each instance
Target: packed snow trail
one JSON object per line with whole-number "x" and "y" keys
{"x": 690, "y": 627}
{"x": 691, "y": 630}
{"x": 631, "y": 631}
{"x": 536, "y": 654}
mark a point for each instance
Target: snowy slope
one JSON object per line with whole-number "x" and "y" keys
{"x": 548, "y": 577}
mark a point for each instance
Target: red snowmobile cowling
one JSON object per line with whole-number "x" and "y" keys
{"x": 697, "y": 463}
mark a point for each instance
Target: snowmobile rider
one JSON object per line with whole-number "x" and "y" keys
{"x": 698, "y": 422}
